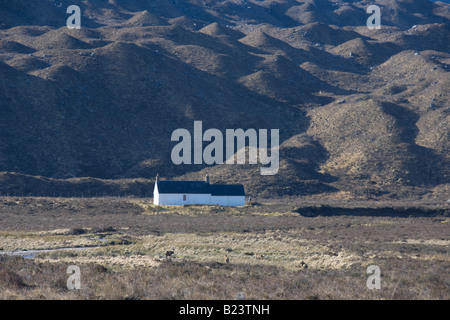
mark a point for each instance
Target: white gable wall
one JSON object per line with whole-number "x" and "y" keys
{"x": 156, "y": 195}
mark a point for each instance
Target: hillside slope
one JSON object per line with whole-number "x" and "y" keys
{"x": 361, "y": 113}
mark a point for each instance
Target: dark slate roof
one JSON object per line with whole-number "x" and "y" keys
{"x": 200, "y": 187}
{"x": 183, "y": 187}
{"x": 227, "y": 190}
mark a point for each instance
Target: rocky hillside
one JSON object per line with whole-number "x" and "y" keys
{"x": 362, "y": 113}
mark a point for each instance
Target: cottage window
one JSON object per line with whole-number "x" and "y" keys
{"x": 184, "y": 197}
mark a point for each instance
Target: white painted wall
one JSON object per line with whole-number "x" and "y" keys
{"x": 228, "y": 200}
{"x": 199, "y": 199}
{"x": 155, "y": 195}
{"x": 168, "y": 199}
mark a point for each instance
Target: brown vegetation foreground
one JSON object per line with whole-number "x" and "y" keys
{"x": 120, "y": 246}
{"x": 27, "y": 279}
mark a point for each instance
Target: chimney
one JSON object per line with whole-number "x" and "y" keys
{"x": 207, "y": 178}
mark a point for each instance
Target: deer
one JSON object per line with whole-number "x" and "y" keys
{"x": 170, "y": 253}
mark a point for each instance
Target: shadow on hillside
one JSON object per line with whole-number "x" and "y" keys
{"x": 425, "y": 166}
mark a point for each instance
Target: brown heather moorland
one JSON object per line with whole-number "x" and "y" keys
{"x": 120, "y": 244}
{"x": 86, "y": 118}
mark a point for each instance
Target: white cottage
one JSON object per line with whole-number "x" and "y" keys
{"x": 177, "y": 193}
